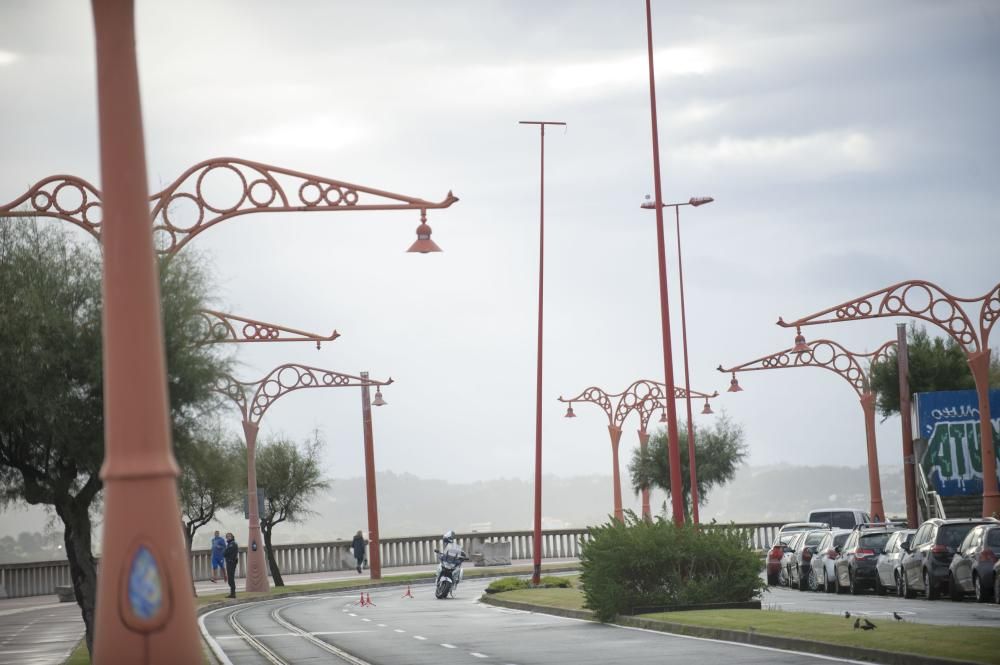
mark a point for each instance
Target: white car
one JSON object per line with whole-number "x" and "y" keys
{"x": 889, "y": 566}
{"x": 840, "y": 518}
{"x": 823, "y": 577}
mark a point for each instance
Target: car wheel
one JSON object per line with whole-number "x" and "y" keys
{"x": 954, "y": 590}
{"x": 879, "y": 588}
{"x": 977, "y": 587}
{"x": 772, "y": 579}
{"x": 907, "y": 591}
{"x": 855, "y": 589}
{"x": 899, "y": 583}
{"x": 813, "y": 582}
{"x": 836, "y": 582}
{"x": 929, "y": 589}
{"x": 996, "y": 588}
{"x": 804, "y": 582}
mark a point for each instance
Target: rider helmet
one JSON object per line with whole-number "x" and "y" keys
{"x": 449, "y": 536}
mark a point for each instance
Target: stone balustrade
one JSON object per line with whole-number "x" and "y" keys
{"x": 41, "y": 578}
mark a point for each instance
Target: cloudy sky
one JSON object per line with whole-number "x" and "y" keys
{"x": 848, "y": 146}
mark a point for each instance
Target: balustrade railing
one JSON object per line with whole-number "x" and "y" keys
{"x": 42, "y": 578}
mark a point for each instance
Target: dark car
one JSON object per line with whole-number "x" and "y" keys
{"x": 800, "y": 569}
{"x": 971, "y": 570}
{"x": 928, "y": 558}
{"x": 781, "y": 545}
{"x": 855, "y": 567}
{"x": 890, "y": 576}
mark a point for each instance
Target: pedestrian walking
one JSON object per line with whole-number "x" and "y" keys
{"x": 358, "y": 545}
{"x": 218, "y": 556}
{"x": 232, "y": 555}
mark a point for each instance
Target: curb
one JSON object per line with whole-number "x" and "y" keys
{"x": 738, "y": 636}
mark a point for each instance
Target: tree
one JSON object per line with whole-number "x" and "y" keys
{"x": 719, "y": 451}
{"x": 51, "y": 423}
{"x": 291, "y": 477}
{"x": 935, "y": 364}
{"x": 210, "y": 480}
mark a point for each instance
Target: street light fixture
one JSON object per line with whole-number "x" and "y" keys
{"x": 927, "y": 301}
{"x": 734, "y": 385}
{"x": 536, "y": 539}
{"x": 694, "y": 201}
{"x": 642, "y": 395}
{"x": 827, "y": 354}
{"x": 253, "y": 398}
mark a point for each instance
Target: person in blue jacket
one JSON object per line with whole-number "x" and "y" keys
{"x": 218, "y": 556}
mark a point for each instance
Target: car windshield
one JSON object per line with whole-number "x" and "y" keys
{"x": 841, "y": 519}
{"x": 993, "y": 538}
{"x": 874, "y": 541}
{"x": 813, "y": 538}
{"x": 952, "y": 535}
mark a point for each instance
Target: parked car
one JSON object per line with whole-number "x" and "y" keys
{"x": 822, "y": 561}
{"x": 854, "y": 569}
{"x": 971, "y": 569}
{"x": 996, "y": 583}
{"x": 788, "y": 555}
{"x": 927, "y": 560}
{"x": 839, "y": 518}
{"x": 778, "y": 547}
{"x": 800, "y": 568}
{"x": 888, "y": 574}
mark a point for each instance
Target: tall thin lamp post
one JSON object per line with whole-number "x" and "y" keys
{"x": 695, "y": 201}
{"x": 677, "y": 501}
{"x": 536, "y": 541}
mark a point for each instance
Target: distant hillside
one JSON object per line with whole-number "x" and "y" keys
{"x": 409, "y": 505}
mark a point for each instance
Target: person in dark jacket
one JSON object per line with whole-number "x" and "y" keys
{"x": 358, "y": 545}
{"x": 232, "y": 555}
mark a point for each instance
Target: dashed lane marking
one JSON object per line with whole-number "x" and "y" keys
{"x": 366, "y": 619}
{"x": 478, "y": 655}
{"x": 448, "y": 646}
{"x": 399, "y": 630}
{"x": 419, "y": 637}
{"x": 381, "y": 625}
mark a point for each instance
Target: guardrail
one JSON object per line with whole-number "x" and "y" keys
{"x": 41, "y": 578}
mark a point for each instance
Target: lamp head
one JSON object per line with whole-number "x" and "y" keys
{"x": 424, "y": 244}
{"x": 569, "y": 411}
{"x": 648, "y": 203}
{"x": 734, "y": 385}
{"x": 663, "y": 416}
{"x": 378, "y": 401}
{"x": 800, "y": 342}
{"x": 700, "y": 200}
{"x": 708, "y": 409}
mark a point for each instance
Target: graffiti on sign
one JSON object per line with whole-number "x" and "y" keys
{"x": 949, "y": 422}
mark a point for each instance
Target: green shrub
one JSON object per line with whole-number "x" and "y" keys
{"x": 553, "y": 582}
{"x": 507, "y": 584}
{"x": 637, "y": 563}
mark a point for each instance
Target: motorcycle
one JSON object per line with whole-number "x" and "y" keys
{"x": 449, "y": 574}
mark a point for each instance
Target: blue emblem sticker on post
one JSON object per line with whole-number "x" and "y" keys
{"x": 145, "y": 589}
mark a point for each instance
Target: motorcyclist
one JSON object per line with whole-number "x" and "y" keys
{"x": 453, "y": 555}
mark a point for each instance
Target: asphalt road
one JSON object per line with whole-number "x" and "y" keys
{"x": 424, "y": 630}
{"x": 40, "y": 635}
{"x": 917, "y": 610}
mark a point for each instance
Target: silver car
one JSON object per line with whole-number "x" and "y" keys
{"x": 827, "y": 551}
{"x": 888, "y": 568}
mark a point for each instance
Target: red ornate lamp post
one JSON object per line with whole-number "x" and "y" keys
{"x": 827, "y": 354}
{"x": 219, "y": 328}
{"x": 926, "y": 301}
{"x": 643, "y": 396}
{"x": 253, "y": 399}
{"x": 668, "y": 361}
{"x": 536, "y": 540}
{"x": 694, "y": 201}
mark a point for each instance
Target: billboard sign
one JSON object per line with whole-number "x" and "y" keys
{"x": 949, "y": 422}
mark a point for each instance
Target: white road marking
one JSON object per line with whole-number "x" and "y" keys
{"x": 366, "y": 619}
{"x": 448, "y": 646}
{"x": 478, "y": 655}
{"x": 381, "y": 625}
{"x": 419, "y": 637}
{"x": 399, "y": 630}
{"x": 351, "y": 614}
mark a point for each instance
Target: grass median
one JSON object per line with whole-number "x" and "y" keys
{"x": 973, "y": 644}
